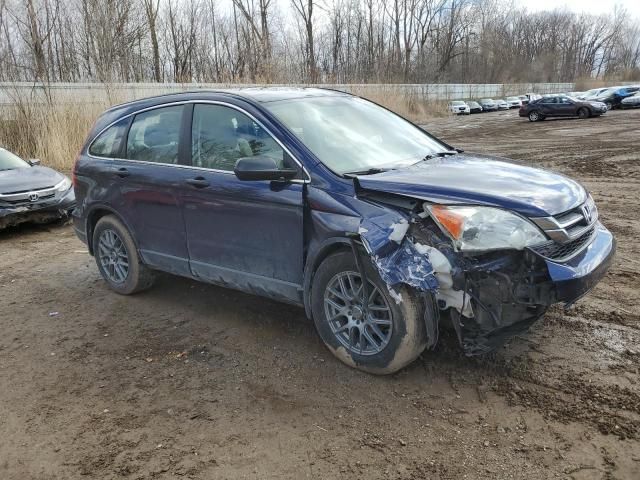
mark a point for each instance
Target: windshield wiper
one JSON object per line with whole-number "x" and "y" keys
{"x": 369, "y": 171}
{"x": 431, "y": 156}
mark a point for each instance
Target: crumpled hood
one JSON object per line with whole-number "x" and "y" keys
{"x": 481, "y": 180}
{"x": 30, "y": 178}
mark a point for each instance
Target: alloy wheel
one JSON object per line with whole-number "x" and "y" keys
{"x": 363, "y": 328}
{"x": 113, "y": 256}
{"x": 534, "y": 117}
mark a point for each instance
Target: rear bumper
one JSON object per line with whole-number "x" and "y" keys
{"x": 38, "y": 212}
{"x": 574, "y": 278}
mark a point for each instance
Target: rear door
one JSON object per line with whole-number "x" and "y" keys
{"x": 244, "y": 234}
{"x": 548, "y": 106}
{"x": 150, "y": 178}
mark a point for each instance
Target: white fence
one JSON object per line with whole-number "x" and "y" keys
{"x": 120, "y": 92}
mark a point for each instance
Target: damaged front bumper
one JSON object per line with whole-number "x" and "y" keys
{"x": 512, "y": 291}
{"x": 37, "y": 212}
{"x": 574, "y": 278}
{"x": 490, "y": 297}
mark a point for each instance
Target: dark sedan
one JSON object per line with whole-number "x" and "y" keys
{"x": 561, "y": 106}
{"x": 31, "y": 193}
{"x": 474, "y": 107}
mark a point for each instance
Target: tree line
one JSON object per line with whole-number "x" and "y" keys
{"x": 311, "y": 41}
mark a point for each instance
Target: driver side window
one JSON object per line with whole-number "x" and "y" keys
{"x": 221, "y": 135}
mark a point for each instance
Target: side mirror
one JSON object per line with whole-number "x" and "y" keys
{"x": 33, "y": 161}
{"x": 261, "y": 167}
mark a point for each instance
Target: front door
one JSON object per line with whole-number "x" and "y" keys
{"x": 243, "y": 234}
{"x": 566, "y": 107}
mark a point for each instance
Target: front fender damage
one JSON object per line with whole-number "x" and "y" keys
{"x": 488, "y": 298}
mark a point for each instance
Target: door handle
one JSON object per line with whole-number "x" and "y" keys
{"x": 198, "y": 182}
{"x": 122, "y": 172}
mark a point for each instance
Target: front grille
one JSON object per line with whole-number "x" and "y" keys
{"x": 563, "y": 251}
{"x": 23, "y": 201}
{"x": 570, "y": 225}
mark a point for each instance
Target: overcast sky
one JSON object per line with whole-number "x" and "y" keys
{"x": 592, "y": 6}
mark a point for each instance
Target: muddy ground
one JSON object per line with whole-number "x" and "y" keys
{"x": 193, "y": 381}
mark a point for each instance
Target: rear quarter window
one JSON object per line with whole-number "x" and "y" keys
{"x": 109, "y": 142}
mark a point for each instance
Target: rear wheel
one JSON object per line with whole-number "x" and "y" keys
{"x": 117, "y": 257}
{"x": 376, "y": 335}
{"x": 583, "y": 113}
{"x": 534, "y": 116}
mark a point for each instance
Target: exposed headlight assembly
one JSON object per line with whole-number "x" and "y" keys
{"x": 485, "y": 228}
{"x": 63, "y": 186}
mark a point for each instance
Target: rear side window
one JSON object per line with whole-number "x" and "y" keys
{"x": 109, "y": 142}
{"x": 154, "y": 135}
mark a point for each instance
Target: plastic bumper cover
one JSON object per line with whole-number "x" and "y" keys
{"x": 575, "y": 277}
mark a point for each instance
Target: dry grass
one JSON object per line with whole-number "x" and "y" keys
{"x": 53, "y": 129}
{"x": 406, "y": 104}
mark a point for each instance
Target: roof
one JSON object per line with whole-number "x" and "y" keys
{"x": 257, "y": 94}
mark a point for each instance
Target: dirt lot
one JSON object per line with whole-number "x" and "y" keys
{"x": 192, "y": 381}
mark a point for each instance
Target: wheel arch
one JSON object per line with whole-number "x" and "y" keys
{"x": 94, "y": 215}
{"x": 316, "y": 257}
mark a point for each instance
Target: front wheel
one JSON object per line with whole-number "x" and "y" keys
{"x": 609, "y": 105}
{"x": 117, "y": 257}
{"x": 534, "y": 116}
{"x": 583, "y": 113}
{"x": 380, "y": 337}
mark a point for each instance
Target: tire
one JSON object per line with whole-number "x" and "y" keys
{"x": 404, "y": 336}
{"x": 534, "y": 116}
{"x": 113, "y": 243}
{"x": 583, "y": 113}
{"x": 609, "y": 105}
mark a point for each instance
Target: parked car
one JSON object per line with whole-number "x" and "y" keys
{"x": 30, "y": 192}
{"x": 328, "y": 201}
{"x": 631, "y": 102}
{"x": 560, "y": 106}
{"x": 502, "y": 104}
{"x": 488, "y": 105}
{"x": 593, "y": 93}
{"x": 533, "y": 96}
{"x": 459, "y": 108}
{"x": 474, "y": 107}
{"x": 514, "y": 102}
{"x": 523, "y": 99}
{"x": 613, "y": 97}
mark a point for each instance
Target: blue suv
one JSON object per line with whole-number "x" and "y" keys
{"x": 383, "y": 233}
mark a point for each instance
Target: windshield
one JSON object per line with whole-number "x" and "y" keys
{"x": 9, "y": 161}
{"x": 457, "y": 103}
{"x": 513, "y": 99}
{"x": 349, "y": 134}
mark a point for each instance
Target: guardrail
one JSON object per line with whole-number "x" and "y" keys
{"x": 111, "y": 93}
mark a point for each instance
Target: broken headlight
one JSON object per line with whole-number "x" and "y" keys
{"x": 485, "y": 228}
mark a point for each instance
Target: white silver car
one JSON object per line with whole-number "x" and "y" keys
{"x": 514, "y": 102}
{"x": 502, "y": 104}
{"x": 631, "y": 102}
{"x": 593, "y": 93}
{"x": 459, "y": 107}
